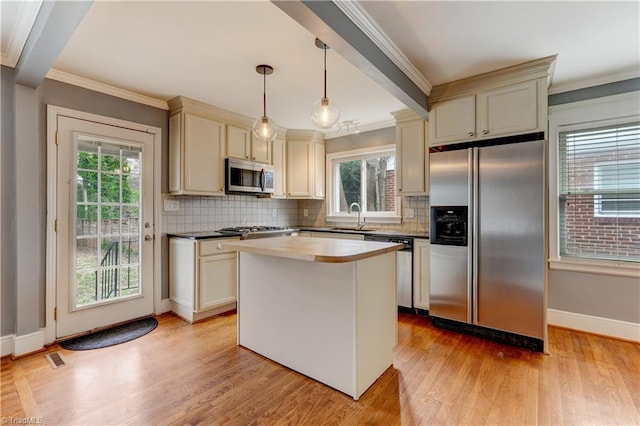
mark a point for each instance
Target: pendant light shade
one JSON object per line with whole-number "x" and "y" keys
{"x": 264, "y": 128}
{"x": 325, "y": 115}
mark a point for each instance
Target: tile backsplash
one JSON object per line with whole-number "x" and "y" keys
{"x": 418, "y": 223}
{"x": 210, "y": 213}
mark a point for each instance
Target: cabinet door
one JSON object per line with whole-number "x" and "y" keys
{"x": 318, "y": 165}
{"x": 182, "y": 266}
{"x": 508, "y": 110}
{"x": 238, "y": 142}
{"x": 203, "y": 166}
{"x": 411, "y": 158}
{"x": 279, "y": 165}
{"x": 421, "y": 273}
{"x": 299, "y": 169}
{"x": 453, "y": 120}
{"x": 217, "y": 280}
{"x": 260, "y": 151}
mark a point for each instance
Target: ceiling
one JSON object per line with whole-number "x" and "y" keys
{"x": 208, "y": 50}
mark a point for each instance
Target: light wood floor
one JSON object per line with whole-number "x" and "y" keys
{"x": 195, "y": 374}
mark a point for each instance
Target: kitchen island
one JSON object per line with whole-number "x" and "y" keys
{"x": 323, "y": 307}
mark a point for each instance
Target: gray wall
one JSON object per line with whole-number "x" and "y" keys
{"x": 596, "y": 295}
{"x": 8, "y": 204}
{"x": 24, "y": 284}
{"x": 378, "y": 137}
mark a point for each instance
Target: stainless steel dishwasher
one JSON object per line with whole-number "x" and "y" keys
{"x": 404, "y": 262}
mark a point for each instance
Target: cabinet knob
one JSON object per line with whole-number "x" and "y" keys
{"x": 253, "y": 158}
{"x": 246, "y": 156}
{"x": 470, "y": 134}
{"x": 219, "y": 246}
{"x": 485, "y": 132}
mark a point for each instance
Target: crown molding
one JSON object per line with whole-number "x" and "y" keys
{"x": 530, "y": 70}
{"x": 96, "y": 86}
{"x": 27, "y": 13}
{"x": 365, "y": 22}
{"x": 595, "y": 81}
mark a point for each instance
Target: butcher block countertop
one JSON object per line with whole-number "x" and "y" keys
{"x": 327, "y": 250}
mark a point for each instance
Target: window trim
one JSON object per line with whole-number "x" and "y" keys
{"x": 598, "y": 205}
{"x": 609, "y": 110}
{"x": 371, "y": 217}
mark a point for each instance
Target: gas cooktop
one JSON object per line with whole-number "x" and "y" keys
{"x": 259, "y": 231}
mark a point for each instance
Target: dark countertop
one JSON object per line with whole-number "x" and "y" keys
{"x": 368, "y": 231}
{"x": 201, "y": 235}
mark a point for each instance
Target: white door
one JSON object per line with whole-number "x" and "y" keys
{"x": 104, "y": 247}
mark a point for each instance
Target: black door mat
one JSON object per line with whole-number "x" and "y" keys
{"x": 111, "y": 336}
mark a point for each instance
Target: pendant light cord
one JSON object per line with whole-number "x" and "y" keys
{"x": 264, "y": 92}
{"x": 325, "y": 70}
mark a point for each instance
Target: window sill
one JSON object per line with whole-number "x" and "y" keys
{"x": 603, "y": 267}
{"x": 367, "y": 221}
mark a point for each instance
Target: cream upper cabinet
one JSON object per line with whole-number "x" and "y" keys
{"x": 305, "y": 165}
{"x": 421, "y": 273}
{"x": 508, "y": 110}
{"x": 280, "y": 167}
{"x": 492, "y": 113}
{"x": 453, "y": 120}
{"x": 242, "y": 144}
{"x": 238, "y": 142}
{"x": 412, "y": 154}
{"x": 260, "y": 151}
{"x": 505, "y": 102}
{"x": 196, "y": 154}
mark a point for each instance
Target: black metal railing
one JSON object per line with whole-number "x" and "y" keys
{"x": 110, "y": 272}
{"x": 109, "y": 283}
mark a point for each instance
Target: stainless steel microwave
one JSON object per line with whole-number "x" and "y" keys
{"x": 247, "y": 177}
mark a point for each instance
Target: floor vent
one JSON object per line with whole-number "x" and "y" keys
{"x": 55, "y": 360}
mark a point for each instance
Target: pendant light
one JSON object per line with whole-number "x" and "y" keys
{"x": 324, "y": 115}
{"x": 264, "y": 128}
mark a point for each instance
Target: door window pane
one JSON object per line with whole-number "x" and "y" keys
{"x": 107, "y": 221}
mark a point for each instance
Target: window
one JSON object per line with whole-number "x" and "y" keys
{"x": 599, "y": 192}
{"x": 365, "y": 177}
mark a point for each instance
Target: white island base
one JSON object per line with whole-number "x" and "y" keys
{"x": 333, "y": 322}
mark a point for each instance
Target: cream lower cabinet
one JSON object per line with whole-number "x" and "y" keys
{"x": 421, "y": 273}
{"x": 202, "y": 277}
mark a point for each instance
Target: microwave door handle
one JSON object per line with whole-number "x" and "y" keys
{"x": 263, "y": 180}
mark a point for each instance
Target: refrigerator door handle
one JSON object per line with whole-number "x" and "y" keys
{"x": 474, "y": 188}
{"x": 471, "y": 237}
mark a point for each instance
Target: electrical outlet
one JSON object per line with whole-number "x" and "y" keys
{"x": 305, "y": 212}
{"x": 171, "y": 205}
{"x": 274, "y": 213}
{"x": 409, "y": 213}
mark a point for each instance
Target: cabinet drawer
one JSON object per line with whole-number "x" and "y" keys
{"x": 214, "y": 246}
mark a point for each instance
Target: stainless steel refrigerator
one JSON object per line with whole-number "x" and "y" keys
{"x": 487, "y": 238}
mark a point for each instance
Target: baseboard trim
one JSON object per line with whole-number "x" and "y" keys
{"x": 596, "y": 325}
{"x": 6, "y": 344}
{"x": 165, "y": 306}
{"x": 22, "y": 345}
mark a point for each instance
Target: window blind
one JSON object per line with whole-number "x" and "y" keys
{"x": 599, "y": 192}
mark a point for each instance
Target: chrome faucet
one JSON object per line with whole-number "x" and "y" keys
{"x": 360, "y": 225}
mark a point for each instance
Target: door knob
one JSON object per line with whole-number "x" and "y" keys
{"x": 148, "y": 238}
